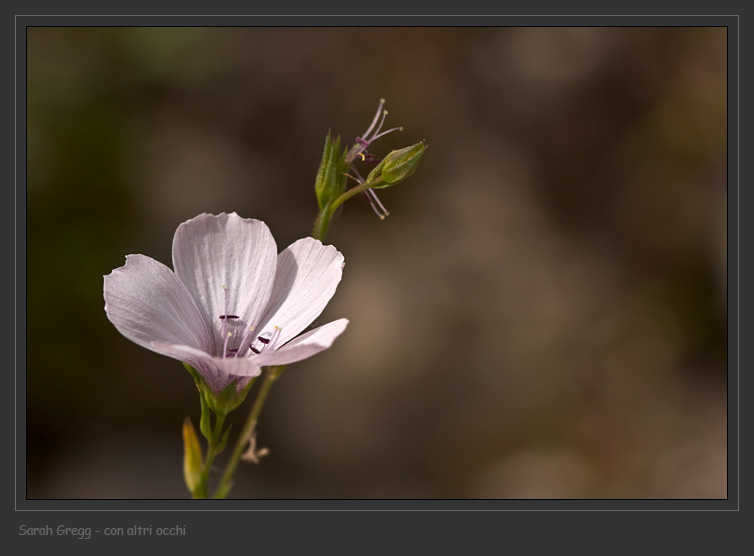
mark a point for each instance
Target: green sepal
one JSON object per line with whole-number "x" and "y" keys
{"x": 204, "y": 422}
{"x": 320, "y": 182}
{"x": 221, "y": 403}
{"x": 397, "y": 166}
{"x": 331, "y": 178}
{"x": 197, "y": 377}
{"x": 375, "y": 174}
{"x": 228, "y": 399}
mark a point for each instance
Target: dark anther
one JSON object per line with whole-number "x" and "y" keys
{"x": 263, "y": 340}
{"x": 228, "y": 317}
{"x": 370, "y": 158}
{"x": 233, "y": 351}
{"x": 255, "y": 350}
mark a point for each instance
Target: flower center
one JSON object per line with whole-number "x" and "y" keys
{"x": 373, "y": 132}
{"x": 265, "y": 341}
{"x": 248, "y": 344}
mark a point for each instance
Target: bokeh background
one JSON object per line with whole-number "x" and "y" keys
{"x": 543, "y": 314}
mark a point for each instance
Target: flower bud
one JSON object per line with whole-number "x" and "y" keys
{"x": 397, "y": 166}
{"x": 192, "y": 456}
{"x": 331, "y": 179}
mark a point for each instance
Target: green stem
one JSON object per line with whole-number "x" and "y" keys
{"x": 322, "y": 223}
{"x": 213, "y": 445}
{"x": 350, "y": 193}
{"x": 247, "y": 433}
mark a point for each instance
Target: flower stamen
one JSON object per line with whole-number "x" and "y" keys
{"x": 399, "y": 128}
{"x": 377, "y": 206}
{"x": 242, "y": 346}
{"x": 265, "y": 341}
{"x": 262, "y": 343}
{"x": 371, "y": 159}
{"x": 379, "y": 127}
{"x": 275, "y": 335}
{"x": 363, "y": 142}
{"x": 376, "y": 117}
{"x": 225, "y": 345}
{"x": 374, "y": 201}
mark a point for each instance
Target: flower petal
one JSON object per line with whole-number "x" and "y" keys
{"x": 147, "y": 303}
{"x": 308, "y": 274}
{"x": 304, "y": 346}
{"x": 228, "y": 263}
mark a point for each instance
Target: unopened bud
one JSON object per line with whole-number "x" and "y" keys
{"x": 397, "y": 166}
{"x": 192, "y": 456}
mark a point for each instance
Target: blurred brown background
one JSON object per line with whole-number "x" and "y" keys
{"x": 543, "y": 315}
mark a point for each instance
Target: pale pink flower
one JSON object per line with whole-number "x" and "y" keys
{"x": 233, "y": 304}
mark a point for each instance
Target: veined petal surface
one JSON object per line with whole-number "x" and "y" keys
{"x": 147, "y": 303}
{"x": 308, "y": 274}
{"x": 229, "y": 264}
